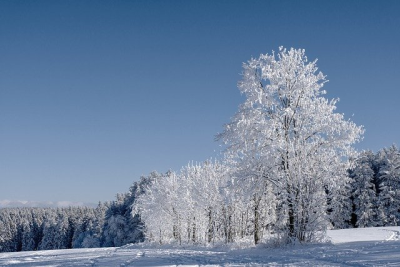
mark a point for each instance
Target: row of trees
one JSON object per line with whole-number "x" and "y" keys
{"x": 24, "y": 229}
{"x": 109, "y": 224}
{"x": 200, "y": 205}
{"x": 189, "y": 206}
{"x": 203, "y": 204}
{"x": 376, "y": 188}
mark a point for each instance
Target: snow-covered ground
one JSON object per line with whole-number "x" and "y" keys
{"x": 351, "y": 247}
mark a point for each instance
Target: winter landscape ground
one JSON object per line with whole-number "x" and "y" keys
{"x": 377, "y": 246}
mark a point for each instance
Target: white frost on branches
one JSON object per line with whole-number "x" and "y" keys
{"x": 284, "y": 173}
{"x": 288, "y": 135}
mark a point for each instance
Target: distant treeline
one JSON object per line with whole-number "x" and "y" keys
{"x": 109, "y": 224}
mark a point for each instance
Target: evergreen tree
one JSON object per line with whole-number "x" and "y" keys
{"x": 389, "y": 186}
{"x": 364, "y": 193}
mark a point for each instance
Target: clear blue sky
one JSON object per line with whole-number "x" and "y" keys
{"x": 94, "y": 94}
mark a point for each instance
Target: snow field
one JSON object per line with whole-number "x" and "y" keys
{"x": 349, "y": 247}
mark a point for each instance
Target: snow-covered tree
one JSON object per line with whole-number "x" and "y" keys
{"x": 119, "y": 227}
{"x": 286, "y": 135}
{"x": 49, "y": 232}
{"x": 115, "y": 222}
{"x": 364, "y": 191}
{"x": 157, "y": 208}
{"x": 389, "y": 186}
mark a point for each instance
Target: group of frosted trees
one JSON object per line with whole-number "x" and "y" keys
{"x": 188, "y": 206}
{"x": 205, "y": 204}
{"x": 109, "y": 224}
{"x": 25, "y": 229}
{"x": 200, "y": 205}
{"x": 376, "y": 188}
{"x": 284, "y": 174}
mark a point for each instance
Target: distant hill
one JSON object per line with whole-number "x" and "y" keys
{"x": 42, "y": 204}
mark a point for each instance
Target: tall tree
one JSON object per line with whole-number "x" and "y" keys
{"x": 364, "y": 191}
{"x": 287, "y": 135}
{"x": 389, "y": 186}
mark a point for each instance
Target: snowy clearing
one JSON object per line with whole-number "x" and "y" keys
{"x": 350, "y": 247}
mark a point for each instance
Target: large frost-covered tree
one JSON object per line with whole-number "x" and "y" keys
{"x": 286, "y": 135}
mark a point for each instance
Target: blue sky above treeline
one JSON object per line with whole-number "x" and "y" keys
{"x": 95, "y": 94}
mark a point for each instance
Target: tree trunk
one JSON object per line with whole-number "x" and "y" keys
{"x": 230, "y": 234}
{"x": 194, "y": 230}
{"x": 256, "y": 224}
{"x": 290, "y": 216}
{"x": 210, "y": 226}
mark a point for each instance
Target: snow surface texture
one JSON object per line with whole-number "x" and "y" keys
{"x": 350, "y": 247}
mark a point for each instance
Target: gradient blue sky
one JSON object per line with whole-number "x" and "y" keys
{"x": 94, "y": 94}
